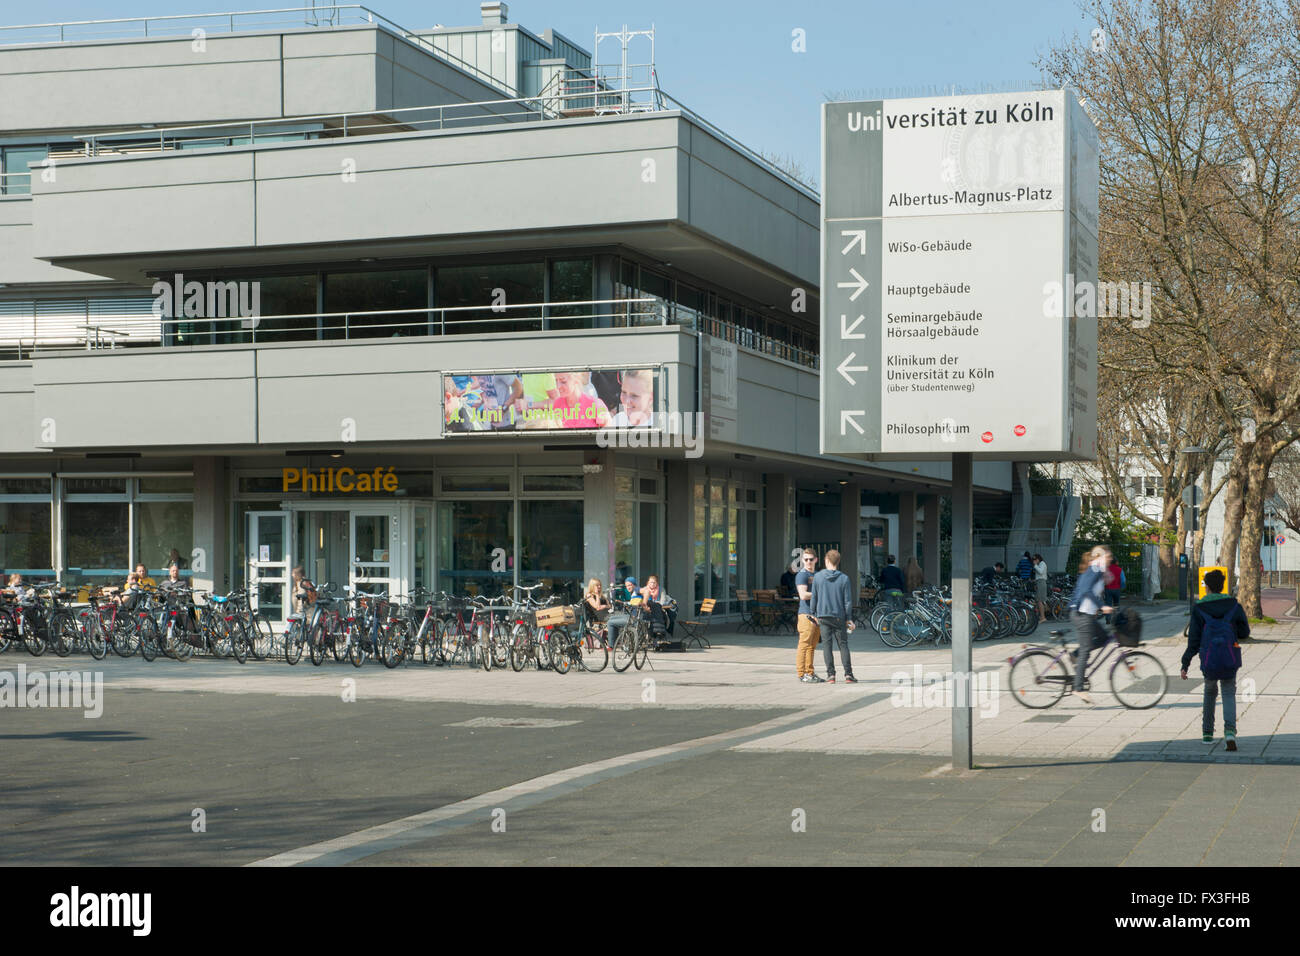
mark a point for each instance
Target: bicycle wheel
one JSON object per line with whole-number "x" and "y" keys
{"x": 392, "y": 643}
{"x": 623, "y": 649}
{"x": 483, "y": 642}
{"x": 181, "y": 649}
{"x": 641, "y": 650}
{"x": 500, "y": 644}
{"x": 126, "y": 636}
{"x": 594, "y": 656}
{"x": 32, "y": 637}
{"x": 95, "y": 643}
{"x": 451, "y": 641}
{"x": 1138, "y": 680}
{"x": 338, "y": 646}
{"x": 316, "y": 644}
{"x": 562, "y": 659}
{"x": 1028, "y": 622}
{"x": 519, "y": 647}
{"x": 217, "y": 636}
{"x": 238, "y": 641}
{"x": 356, "y": 648}
{"x": 1039, "y": 678}
{"x": 293, "y": 641}
{"x": 147, "y": 638}
{"x": 63, "y": 633}
{"x": 262, "y": 643}
{"x": 885, "y": 628}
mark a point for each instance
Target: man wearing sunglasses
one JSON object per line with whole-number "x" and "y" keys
{"x": 809, "y": 632}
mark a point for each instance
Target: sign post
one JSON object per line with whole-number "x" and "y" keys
{"x": 958, "y": 295}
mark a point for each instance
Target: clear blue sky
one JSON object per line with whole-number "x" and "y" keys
{"x": 732, "y": 62}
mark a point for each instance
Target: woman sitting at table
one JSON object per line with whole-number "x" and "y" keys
{"x": 598, "y": 610}
{"x": 658, "y": 601}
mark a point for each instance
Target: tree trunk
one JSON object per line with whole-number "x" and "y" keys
{"x": 1232, "y": 508}
{"x": 1252, "y": 532}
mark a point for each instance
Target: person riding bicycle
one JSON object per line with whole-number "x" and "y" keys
{"x": 1087, "y": 602}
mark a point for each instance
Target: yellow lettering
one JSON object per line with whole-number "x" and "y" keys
{"x": 363, "y": 483}
{"x": 310, "y": 482}
{"x": 390, "y": 481}
{"x": 289, "y": 477}
{"x": 345, "y": 474}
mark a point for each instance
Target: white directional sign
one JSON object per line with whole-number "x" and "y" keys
{"x": 958, "y": 235}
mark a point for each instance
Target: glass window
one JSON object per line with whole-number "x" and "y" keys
{"x": 375, "y": 292}
{"x": 164, "y": 532}
{"x": 422, "y": 557}
{"x": 623, "y": 484}
{"x": 17, "y": 179}
{"x": 649, "y": 486}
{"x": 166, "y": 486}
{"x": 25, "y": 538}
{"x": 717, "y": 538}
{"x": 261, "y": 484}
{"x": 96, "y": 542}
{"x": 571, "y": 281}
{"x": 94, "y": 486}
{"x": 551, "y": 547}
{"x": 701, "y": 541}
{"x": 475, "y": 547}
{"x": 287, "y": 295}
{"x": 625, "y": 540}
{"x": 658, "y": 287}
{"x": 648, "y": 536}
{"x": 415, "y": 484}
{"x": 24, "y": 486}
{"x": 553, "y": 483}
{"x": 455, "y": 483}
{"x": 506, "y": 285}
{"x": 690, "y": 305}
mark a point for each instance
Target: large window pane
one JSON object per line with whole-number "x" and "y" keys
{"x": 287, "y": 295}
{"x": 24, "y": 486}
{"x": 624, "y": 540}
{"x": 471, "y": 286}
{"x": 648, "y": 538}
{"x": 17, "y": 179}
{"x": 96, "y": 542}
{"x": 164, "y": 532}
{"x": 571, "y": 281}
{"x": 701, "y": 542}
{"x": 551, "y": 549}
{"x": 717, "y": 538}
{"x": 472, "y": 537}
{"x": 375, "y": 292}
{"x": 25, "y": 538}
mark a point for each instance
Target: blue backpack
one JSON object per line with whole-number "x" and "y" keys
{"x": 1220, "y": 652}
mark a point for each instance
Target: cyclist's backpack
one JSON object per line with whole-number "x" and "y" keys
{"x": 1220, "y": 652}
{"x": 1128, "y": 628}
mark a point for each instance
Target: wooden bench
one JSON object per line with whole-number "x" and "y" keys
{"x": 695, "y": 629}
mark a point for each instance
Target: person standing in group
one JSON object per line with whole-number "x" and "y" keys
{"x": 1218, "y": 623}
{"x": 913, "y": 576}
{"x": 891, "y": 577}
{"x": 1040, "y": 587}
{"x": 1088, "y": 601}
{"x": 832, "y": 605}
{"x": 809, "y": 632}
{"x": 1025, "y": 567}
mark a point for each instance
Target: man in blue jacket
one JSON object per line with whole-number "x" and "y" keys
{"x": 1220, "y": 607}
{"x": 832, "y": 605}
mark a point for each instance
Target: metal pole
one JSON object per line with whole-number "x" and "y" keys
{"x": 963, "y": 507}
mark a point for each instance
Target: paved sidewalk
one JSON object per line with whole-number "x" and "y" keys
{"x": 756, "y": 672}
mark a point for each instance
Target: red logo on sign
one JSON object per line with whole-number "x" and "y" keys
{"x": 1019, "y": 430}
{"x": 986, "y": 437}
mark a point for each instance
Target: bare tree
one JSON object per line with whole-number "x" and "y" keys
{"x": 1198, "y": 108}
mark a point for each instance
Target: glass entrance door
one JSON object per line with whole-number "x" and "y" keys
{"x": 266, "y": 563}
{"x": 374, "y": 537}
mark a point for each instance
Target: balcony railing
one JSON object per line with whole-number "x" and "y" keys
{"x": 202, "y": 24}
{"x": 460, "y": 320}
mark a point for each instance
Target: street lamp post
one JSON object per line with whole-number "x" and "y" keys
{"x": 1193, "y": 453}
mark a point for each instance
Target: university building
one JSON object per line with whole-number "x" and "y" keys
{"x": 290, "y": 288}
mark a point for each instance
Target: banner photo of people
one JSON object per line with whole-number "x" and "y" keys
{"x": 549, "y": 401}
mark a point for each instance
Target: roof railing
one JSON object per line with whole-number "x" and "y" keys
{"x": 186, "y": 24}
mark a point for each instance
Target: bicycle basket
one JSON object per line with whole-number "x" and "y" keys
{"x": 1128, "y": 628}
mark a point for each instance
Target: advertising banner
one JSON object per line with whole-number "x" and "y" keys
{"x": 583, "y": 399}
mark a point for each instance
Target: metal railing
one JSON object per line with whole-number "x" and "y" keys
{"x": 185, "y": 25}
{"x": 15, "y": 184}
{"x": 458, "y": 320}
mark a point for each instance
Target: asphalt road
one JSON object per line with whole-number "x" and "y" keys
{"x": 273, "y": 774}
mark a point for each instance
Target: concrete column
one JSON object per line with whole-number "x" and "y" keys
{"x": 209, "y": 560}
{"x": 598, "y": 544}
{"x": 850, "y": 532}
{"x": 930, "y": 538}
{"x": 678, "y": 573}
{"x": 906, "y": 527}
{"x": 779, "y": 528}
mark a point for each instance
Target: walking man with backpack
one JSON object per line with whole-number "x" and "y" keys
{"x": 1218, "y": 623}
